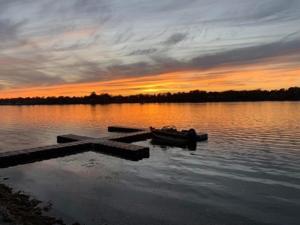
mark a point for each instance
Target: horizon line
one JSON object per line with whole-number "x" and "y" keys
{"x": 150, "y": 94}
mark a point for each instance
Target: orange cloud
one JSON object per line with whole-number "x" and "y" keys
{"x": 216, "y": 80}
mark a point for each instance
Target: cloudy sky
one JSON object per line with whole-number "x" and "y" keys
{"x": 73, "y": 47}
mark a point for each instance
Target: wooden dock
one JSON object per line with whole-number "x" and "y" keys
{"x": 115, "y": 145}
{"x": 118, "y": 144}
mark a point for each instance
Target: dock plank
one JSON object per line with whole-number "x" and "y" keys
{"x": 124, "y": 150}
{"x": 125, "y": 137}
{"x": 12, "y": 158}
{"x": 115, "y": 145}
{"x": 122, "y": 129}
{"x": 131, "y": 137}
{"x": 72, "y": 138}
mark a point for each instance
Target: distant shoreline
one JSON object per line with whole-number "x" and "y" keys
{"x": 142, "y": 103}
{"x": 196, "y": 96}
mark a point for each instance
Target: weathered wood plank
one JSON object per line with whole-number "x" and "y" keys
{"x": 122, "y": 129}
{"x": 123, "y": 150}
{"x": 71, "y": 138}
{"x": 131, "y": 137}
{"x": 13, "y": 158}
{"x": 126, "y": 137}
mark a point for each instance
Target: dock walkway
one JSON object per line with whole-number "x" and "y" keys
{"x": 118, "y": 144}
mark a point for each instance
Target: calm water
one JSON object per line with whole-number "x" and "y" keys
{"x": 247, "y": 173}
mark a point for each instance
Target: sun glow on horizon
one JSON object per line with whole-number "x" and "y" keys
{"x": 183, "y": 81}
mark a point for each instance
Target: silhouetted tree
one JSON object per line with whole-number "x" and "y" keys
{"x": 291, "y": 94}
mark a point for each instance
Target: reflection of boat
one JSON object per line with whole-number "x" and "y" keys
{"x": 171, "y": 136}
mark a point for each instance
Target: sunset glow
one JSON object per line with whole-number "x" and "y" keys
{"x": 170, "y": 82}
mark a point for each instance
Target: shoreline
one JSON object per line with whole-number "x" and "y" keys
{"x": 142, "y": 103}
{"x": 193, "y": 96}
{"x": 18, "y": 208}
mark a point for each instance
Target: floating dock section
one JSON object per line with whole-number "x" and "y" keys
{"x": 118, "y": 144}
{"x": 111, "y": 147}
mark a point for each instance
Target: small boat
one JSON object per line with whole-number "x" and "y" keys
{"x": 169, "y": 135}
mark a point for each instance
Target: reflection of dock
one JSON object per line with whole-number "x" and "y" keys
{"x": 117, "y": 145}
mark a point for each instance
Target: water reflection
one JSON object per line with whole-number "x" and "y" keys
{"x": 247, "y": 173}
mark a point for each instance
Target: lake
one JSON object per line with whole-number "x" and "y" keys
{"x": 248, "y": 172}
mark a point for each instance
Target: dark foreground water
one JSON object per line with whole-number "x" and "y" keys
{"x": 247, "y": 173}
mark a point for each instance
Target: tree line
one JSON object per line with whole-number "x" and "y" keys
{"x": 290, "y": 94}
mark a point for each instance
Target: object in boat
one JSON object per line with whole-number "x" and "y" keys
{"x": 169, "y": 135}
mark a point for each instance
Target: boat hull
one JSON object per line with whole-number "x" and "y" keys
{"x": 174, "y": 138}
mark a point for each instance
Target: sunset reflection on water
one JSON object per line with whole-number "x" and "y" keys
{"x": 246, "y": 173}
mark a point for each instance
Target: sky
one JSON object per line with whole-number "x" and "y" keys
{"x": 74, "y": 47}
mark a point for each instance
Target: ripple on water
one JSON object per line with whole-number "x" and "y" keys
{"x": 246, "y": 173}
